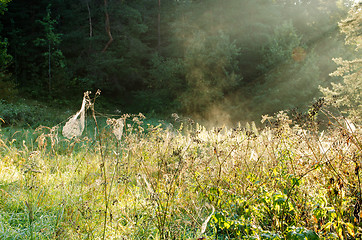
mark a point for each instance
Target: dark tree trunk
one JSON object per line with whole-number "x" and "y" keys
{"x": 159, "y": 25}
{"x": 108, "y": 27}
{"x": 90, "y": 20}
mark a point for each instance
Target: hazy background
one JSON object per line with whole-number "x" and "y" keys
{"x": 216, "y": 61}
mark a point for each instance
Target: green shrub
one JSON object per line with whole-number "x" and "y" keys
{"x": 8, "y": 89}
{"x": 23, "y": 114}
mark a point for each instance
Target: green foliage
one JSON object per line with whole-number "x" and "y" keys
{"x": 205, "y": 58}
{"x": 289, "y": 73}
{"x": 300, "y": 233}
{"x": 284, "y": 51}
{"x": 347, "y": 94}
{"x": 165, "y": 83}
{"x": 167, "y": 74}
{"x": 25, "y": 114}
{"x": 3, "y": 4}
{"x": 5, "y": 58}
{"x": 211, "y": 66}
{"x": 351, "y": 27}
{"x": 8, "y": 90}
{"x": 54, "y": 59}
{"x": 12, "y": 114}
{"x": 279, "y": 47}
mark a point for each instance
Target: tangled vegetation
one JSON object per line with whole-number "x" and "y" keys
{"x": 182, "y": 181}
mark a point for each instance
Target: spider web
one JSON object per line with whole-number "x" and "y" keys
{"x": 75, "y": 125}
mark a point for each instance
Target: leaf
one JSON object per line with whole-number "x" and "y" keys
{"x": 295, "y": 181}
{"x": 327, "y": 226}
{"x": 350, "y": 230}
{"x": 311, "y": 235}
{"x": 204, "y": 225}
{"x": 227, "y": 224}
{"x": 340, "y": 232}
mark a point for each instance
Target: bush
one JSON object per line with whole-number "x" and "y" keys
{"x": 22, "y": 114}
{"x": 8, "y": 89}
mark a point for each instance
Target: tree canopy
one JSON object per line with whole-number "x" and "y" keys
{"x": 346, "y": 94}
{"x": 239, "y": 58}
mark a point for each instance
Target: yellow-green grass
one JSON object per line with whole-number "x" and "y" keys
{"x": 279, "y": 182}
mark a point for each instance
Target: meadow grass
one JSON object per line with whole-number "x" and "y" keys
{"x": 283, "y": 181}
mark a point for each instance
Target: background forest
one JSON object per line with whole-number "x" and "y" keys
{"x": 224, "y": 61}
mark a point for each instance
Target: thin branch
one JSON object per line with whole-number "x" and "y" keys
{"x": 108, "y": 27}
{"x": 159, "y": 25}
{"x": 90, "y": 20}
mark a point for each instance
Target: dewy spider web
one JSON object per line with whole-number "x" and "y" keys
{"x": 117, "y": 127}
{"x": 75, "y": 125}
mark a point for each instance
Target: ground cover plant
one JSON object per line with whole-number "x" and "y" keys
{"x": 126, "y": 179}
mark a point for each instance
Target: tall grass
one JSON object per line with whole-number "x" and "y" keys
{"x": 284, "y": 181}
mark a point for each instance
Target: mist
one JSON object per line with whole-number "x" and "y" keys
{"x": 245, "y": 59}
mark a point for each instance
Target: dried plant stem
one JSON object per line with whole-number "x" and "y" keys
{"x": 359, "y": 186}
{"x": 103, "y": 167}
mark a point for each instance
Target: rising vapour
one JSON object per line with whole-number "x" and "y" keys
{"x": 244, "y": 59}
